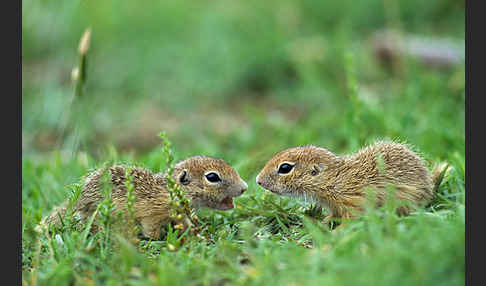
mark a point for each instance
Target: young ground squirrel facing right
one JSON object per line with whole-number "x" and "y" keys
{"x": 339, "y": 183}
{"x": 207, "y": 182}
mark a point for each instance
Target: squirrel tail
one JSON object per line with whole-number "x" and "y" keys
{"x": 438, "y": 174}
{"x": 55, "y": 218}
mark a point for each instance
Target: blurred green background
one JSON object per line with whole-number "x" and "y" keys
{"x": 239, "y": 76}
{"x": 241, "y": 80}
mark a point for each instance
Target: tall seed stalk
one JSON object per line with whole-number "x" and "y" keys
{"x": 133, "y": 228}
{"x": 78, "y": 77}
{"x": 79, "y": 74}
{"x": 179, "y": 204}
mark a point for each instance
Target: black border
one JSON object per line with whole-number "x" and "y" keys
{"x": 16, "y": 82}
{"x": 468, "y": 86}
{"x": 11, "y": 21}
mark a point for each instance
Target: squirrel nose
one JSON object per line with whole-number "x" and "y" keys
{"x": 257, "y": 179}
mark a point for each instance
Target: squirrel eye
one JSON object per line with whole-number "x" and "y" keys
{"x": 285, "y": 168}
{"x": 213, "y": 177}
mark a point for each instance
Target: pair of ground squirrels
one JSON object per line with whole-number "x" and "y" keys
{"x": 207, "y": 182}
{"x": 340, "y": 183}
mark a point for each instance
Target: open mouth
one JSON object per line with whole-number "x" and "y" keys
{"x": 227, "y": 203}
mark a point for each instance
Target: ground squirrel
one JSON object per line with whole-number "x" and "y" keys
{"x": 339, "y": 183}
{"x": 207, "y": 182}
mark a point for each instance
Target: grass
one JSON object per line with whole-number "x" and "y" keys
{"x": 239, "y": 81}
{"x": 264, "y": 238}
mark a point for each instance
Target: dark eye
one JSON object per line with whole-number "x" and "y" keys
{"x": 213, "y": 177}
{"x": 285, "y": 168}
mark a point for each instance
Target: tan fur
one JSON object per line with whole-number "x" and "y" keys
{"x": 340, "y": 183}
{"x": 151, "y": 208}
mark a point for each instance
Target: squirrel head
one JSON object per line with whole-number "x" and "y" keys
{"x": 299, "y": 170}
{"x": 209, "y": 182}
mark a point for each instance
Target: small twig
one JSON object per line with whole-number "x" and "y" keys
{"x": 78, "y": 76}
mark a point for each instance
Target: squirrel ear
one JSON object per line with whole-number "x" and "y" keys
{"x": 184, "y": 178}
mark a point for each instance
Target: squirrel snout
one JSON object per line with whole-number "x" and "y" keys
{"x": 257, "y": 179}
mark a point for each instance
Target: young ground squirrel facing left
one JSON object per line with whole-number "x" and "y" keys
{"x": 339, "y": 183}
{"x": 207, "y": 182}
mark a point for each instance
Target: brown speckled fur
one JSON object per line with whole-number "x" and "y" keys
{"x": 151, "y": 208}
{"x": 340, "y": 182}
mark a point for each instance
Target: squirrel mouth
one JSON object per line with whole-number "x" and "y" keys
{"x": 227, "y": 203}
{"x": 272, "y": 191}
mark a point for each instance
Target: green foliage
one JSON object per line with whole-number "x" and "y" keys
{"x": 179, "y": 203}
{"x": 133, "y": 228}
